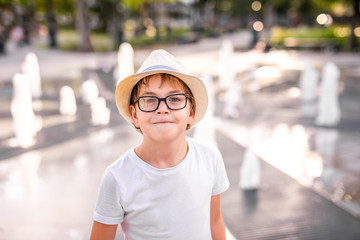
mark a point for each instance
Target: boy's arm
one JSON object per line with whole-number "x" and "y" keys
{"x": 216, "y": 221}
{"x": 103, "y": 231}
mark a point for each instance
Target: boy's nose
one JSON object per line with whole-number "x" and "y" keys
{"x": 162, "y": 107}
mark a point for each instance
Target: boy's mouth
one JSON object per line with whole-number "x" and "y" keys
{"x": 162, "y": 122}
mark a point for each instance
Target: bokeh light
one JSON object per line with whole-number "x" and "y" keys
{"x": 258, "y": 26}
{"x": 321, "y": 19}
{"x": 151, "y": 31}
{"x": 357, "y": 31}
{"x": 256, "y": 6}
{"x": 342, "y": 31}
{"x": 324, "y": 19}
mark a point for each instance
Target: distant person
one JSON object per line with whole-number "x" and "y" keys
{"x": 254, "y": 38}
{"x": 17, "y": 35}
{"x": 2, "y": 39}
{"x": 169, "y": 186}
{"x": 52, "y": 29}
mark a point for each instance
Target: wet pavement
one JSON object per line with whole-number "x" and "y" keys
{"x": 281, "y": 208}
{"x": 310, "y": 175}
{"x": 50, "y": 193}
{"x": 323, "y": 158}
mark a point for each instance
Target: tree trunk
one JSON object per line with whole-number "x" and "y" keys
{"x": 217, "y": 13}
{"x": 114, "y": 24}
{"x": 28, "y": 21}
{"x": 52, "y": 25}
{"x": 269, "y": 15}
{"x": 82, "y": 25}
{"x": 352, "y": 42}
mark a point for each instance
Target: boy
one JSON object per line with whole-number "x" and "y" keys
{"x": 169, "y": 186}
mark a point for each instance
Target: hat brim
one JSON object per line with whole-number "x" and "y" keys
{"x": 197, "y": 87}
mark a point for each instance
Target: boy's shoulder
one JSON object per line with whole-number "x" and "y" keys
{"x": 124, "y": 161}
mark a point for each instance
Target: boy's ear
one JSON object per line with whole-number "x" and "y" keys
{"x": 192, "y": 116}
{"x": 132, "y": 110}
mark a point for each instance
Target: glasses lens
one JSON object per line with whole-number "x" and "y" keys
{"x": 148, "y": 103}
{"x": 177, "y": 101}
{"x": 173, "y": 102}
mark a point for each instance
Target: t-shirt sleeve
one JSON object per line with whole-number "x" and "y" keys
{"x": 108, "y": 209}
{"x": 221, "y": 179}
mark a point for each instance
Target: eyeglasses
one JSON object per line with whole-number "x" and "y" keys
{"x": 152, "y": 103}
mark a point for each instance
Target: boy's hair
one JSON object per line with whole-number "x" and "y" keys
{"x": 168, "y": 78}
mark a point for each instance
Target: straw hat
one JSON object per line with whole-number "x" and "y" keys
{"x": 160, "y": 61}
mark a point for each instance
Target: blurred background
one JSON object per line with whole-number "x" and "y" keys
{"x": 101, "y": 25}
{"x": 283, "y": 80}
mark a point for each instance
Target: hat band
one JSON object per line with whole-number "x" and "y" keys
{"x": 159, "y": 67}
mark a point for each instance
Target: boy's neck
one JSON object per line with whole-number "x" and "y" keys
{"x": 160, "y": 155}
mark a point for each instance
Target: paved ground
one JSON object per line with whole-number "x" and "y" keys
{"x": 48, "y": 191}
{"x": 281, "y": 208}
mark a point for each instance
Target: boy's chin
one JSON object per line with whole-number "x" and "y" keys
{"x": 166, "y": 133}
{"x": 165, "y": 125}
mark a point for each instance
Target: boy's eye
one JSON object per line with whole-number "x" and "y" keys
{"x": 151, "y": 100}
{"x": 174, "y": 99}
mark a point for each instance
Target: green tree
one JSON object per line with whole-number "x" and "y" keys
{"x": 82, "y": 25}
{"x": 16, "y": 12}
{"x": 353, "y": 20}
{"x": 111, "y": 16}
{"x": 6, "y": 22}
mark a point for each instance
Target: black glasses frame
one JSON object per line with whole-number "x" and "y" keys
{"x": 187, "y": 96}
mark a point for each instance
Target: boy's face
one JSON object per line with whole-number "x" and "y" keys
{"x": 163, "y": 124}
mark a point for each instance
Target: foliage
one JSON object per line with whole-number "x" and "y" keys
{"x": 279, "y": 34}
{"x": 144, "y": 40}
{"x": 69, "y": 40}
{"x": 6, "y": 3}
{"x": 136, "y": 4}
{"x": 133, "y": 4}
{"x": 110, "y": 15}
{"x": 314, "y": 34}
{"x": 60, "y": 6}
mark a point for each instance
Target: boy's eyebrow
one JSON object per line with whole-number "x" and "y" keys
{"x": 154, "y": 94}
{"x": 148, "y": 93}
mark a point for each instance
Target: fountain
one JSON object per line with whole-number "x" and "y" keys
{"x": 226, "y": 73}
{"x": 205, "y": 130}
{"x": 89, "y": 91}
{"x": 30, "y": 163}
{"x": 308, "y": 84}
{"x": 68, "y": 106}
{"x": 125, "y": 65}
{"x": 250, "y": 171}
{"x": 326, "y": 141}
{"x": 232, "y": 94}
{"x": 31, "y": 69}
{"x": 328, "y": 106}
{"x": 100, "y": 114}
{"x": 232, "y": 99}
{"x": 25, "y": 124}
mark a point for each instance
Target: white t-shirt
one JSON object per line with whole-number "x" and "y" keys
{"x": 172, "y": 203}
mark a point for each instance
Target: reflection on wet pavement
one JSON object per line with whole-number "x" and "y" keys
{"x": 44, "y": 188}
{"x": 321, "y": 158}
